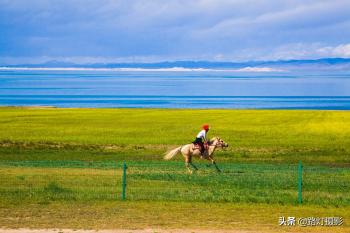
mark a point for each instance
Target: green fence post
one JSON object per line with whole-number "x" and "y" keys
{"x": 300, "y": 183}
{"x": 124, "y": 182}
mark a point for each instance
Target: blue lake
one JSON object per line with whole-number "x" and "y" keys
{"x": 146, "y": 89}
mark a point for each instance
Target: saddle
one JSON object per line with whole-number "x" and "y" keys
{"x": 199, "y": 147}
{"x": 196, "y": 146}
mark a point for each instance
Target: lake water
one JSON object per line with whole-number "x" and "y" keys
{"x": 146, "y": 89}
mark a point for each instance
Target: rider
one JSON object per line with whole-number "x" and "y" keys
{"x": 201, "y": 138}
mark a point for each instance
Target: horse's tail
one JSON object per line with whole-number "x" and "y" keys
{"x": 172, "y": 153}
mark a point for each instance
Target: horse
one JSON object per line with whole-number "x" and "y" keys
{"x": 189, "y": 150}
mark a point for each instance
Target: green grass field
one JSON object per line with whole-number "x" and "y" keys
{"x": 51, "y": 159}
{"x": 316, "y": 137}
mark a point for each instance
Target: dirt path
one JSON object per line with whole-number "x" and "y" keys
{"x": 25, "y": 230}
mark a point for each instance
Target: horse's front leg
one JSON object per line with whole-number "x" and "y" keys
{"x": 216, "y": 166}
{"x": 195, "y": 168}
{"x": 214, "y": 163}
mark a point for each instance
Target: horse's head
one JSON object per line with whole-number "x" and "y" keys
{"x": 218, "y": 142}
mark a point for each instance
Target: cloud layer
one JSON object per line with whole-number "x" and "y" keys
{"x": 153, "y": 30}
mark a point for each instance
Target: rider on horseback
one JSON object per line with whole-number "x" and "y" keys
{"x": 201, "y": 139}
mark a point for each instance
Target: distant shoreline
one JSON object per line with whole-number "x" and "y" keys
{"x": 136, "y": 69}
{"x": 170, "y": 109}
{"x": 174, "y": 90}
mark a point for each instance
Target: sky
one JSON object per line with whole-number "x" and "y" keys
{"x": 95, "y": 31}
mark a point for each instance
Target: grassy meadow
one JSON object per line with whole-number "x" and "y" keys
{"x": 67, "y": 164}
{"x": 274, "y": 136}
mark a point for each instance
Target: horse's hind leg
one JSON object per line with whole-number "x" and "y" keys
{"x": 188, "y": 163}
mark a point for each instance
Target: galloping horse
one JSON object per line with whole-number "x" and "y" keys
{"x": 188, "y": 151}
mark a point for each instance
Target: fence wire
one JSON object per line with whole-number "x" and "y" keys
{"x": 248, "y": 183}
{"x": 170, "y": 181}
{"x": 60, "y": 180}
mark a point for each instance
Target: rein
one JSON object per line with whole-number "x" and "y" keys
{"x": 218, "y": 144}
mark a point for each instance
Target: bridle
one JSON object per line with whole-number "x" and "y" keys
{"x": 219, "y": 143}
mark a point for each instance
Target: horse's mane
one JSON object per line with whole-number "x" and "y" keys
{"x": 212, "y": 140}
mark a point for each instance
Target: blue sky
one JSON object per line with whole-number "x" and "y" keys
{"x": 87, "y": 31}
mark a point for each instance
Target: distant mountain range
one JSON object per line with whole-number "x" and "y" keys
{"x": 341, "y": 63}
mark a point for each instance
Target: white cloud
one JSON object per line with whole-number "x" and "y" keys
{"x": 342, "y": 50}
{"x": 302, "y": 51}
{"x": 259, "y": 69}
{"x": 88, "y": 31}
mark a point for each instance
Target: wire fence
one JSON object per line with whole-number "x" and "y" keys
{"x": 169, "y": 181}
{"x": 60, "y": 180}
